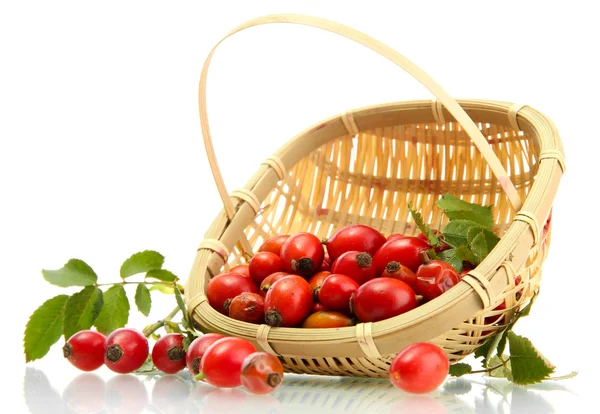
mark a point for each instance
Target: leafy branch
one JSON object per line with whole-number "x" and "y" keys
{"x": 103, "y": 305}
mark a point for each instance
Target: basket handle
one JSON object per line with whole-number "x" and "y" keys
{"x": 451, "y": 105}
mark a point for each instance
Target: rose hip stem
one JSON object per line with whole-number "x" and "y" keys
{"x": 149, "y": 330}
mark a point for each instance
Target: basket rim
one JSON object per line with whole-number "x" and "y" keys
{"x": 459, "y": 303}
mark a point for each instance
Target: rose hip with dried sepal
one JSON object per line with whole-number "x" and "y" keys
{"x": 261, "y": 373}
{"x": 168, "y": 354}
{"x": 356, "y": 265}
{"x": 302, "y": 254}
{"x": 274, "y": 244}
{"x": 85, "y": 350}
{"x": 398, "y": 271}
{"x": 125, "y": 350}
{"x": 222, "y": 362}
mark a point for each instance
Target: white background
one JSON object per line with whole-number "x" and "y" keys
{"x": 101, "y": 154}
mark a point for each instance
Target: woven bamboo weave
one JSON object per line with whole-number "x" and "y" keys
{"x": 364, "y": 166}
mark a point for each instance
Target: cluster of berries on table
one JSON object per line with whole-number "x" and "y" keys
{"x": 221, "y": 361}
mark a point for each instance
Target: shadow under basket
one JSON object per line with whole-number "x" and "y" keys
{"x": 363, "y": 167}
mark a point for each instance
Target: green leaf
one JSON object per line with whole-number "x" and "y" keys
{"x": 186, "y": 317}
{"x": 81, "y": 310}
{"x": 456, "y": 231}
{"x": 483, "y": 351}
{"x": 161, "y": 274}
{"x": 166, "y": 289}
{"x": 143, "y": 299}
{"x": 142, "y": 262}
{"x": 502, "y": 372}
{"x": 115, "y": 312}
{"x": 482, "y": 242}
{"x": 449, "y": 256}
{"x": 420, "y": 222}
{"x": 459, "y": 369}
{"x": 465, "y": 254}
{"x": 74, "y": 273}
{"x": 44, "y": 328}
{"x": 528, "y": 365}
{"x": 457, "y": 209}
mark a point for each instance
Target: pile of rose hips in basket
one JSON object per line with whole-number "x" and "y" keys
{"x": 356, "y": 275}
{"x": 221, "y": 361}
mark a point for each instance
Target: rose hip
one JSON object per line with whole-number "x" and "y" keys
{"x": 248, "y": 307}
{"x": 196, "y": 351}
{"x": 274, "y": 244}
{"x": 354, "y": 238}
{"x": 85, "y": 350}
{"x": 224, "y": 287}
{"x": 221, "y": 364}
{"x": 336, "y": 292}
{"x": 269, "y": 280}
{"x": 125, "y": 350}
{"x": 263, "y": 264}
{"x": 168, "y": 354}
{"x": 356, "y": 265}
{"x": 397, "y": 271}
{"x": 302, "y": 254}
{"x": 261, "y": 373}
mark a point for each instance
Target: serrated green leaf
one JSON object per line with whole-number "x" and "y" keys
{"x": 466, "y": 255}
{"x": 459, "y": 369}
{"x": 420, "y": 222}
{"x": 449, "y": 256}
{"x": 528, "y": 365}
{"x": 115, "y": 312}
{"x": 143, "y": 300}
{"x": 81, "y": 310}
{"x": 74, "y": 273}
{"x": 483, "y": 350}
{"x": 456, "y": 231}
{"x": 186, "y": 317}
{"x": 457, "y": 209}
{"x": 163, "y": 288}
{"x": 490, "y": 237}
{"x": 141, "y": 262}
{"x": 161, "y": 274}
{"x": 482, "y": 242}
{"x": 44, "y": 328}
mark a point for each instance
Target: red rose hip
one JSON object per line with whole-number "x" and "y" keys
{"x": 224, "y": 287}
{"x": 356, "y": 265}
{"x": 336, "y": 291}
{"x": 168, "y": 354}
{"x": 274, "y": 244}
{"x": 435, "y": 278}
{"x": 196, "y": 350}
{"x": 288, "y": 302}
{"x": 406, "y": 250}
{"x": 354, "y": 238}
{"x": 261, "y": 373}
{"x": 302, "y": 254}
{"x": 221, "y": 364}
{"x": 419, "y": 368}
{"x": 383, "y": 298}
{"x": 264, "y": 264}
{"x": 125, "y": 350}
{"x": 248, "y": 307}
{"x": 85, "y": 350}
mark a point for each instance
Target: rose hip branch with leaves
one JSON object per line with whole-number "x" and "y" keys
{"x": 107, "y": 310}
{"x": 470, "y": 238}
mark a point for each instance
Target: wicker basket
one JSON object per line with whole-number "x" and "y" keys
{"x": 364, "y": 166}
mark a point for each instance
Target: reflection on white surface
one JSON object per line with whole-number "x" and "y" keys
{"x": 88, "y": 393}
